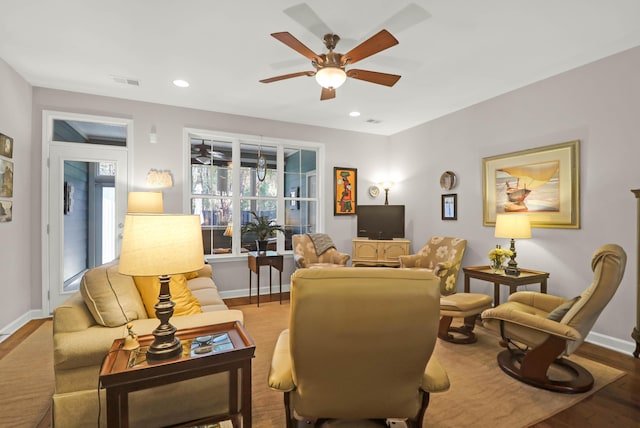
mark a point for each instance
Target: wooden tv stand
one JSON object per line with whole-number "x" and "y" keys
{"x": 379, "y": 252}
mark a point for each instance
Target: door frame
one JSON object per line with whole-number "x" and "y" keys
{"x": 48, "y": 117}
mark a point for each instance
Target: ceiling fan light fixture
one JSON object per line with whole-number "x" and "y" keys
{"x": 331, "y": 77}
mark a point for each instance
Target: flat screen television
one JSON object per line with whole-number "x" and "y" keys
{"x": 380, "y": 221}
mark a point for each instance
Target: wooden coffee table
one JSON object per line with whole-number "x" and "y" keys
{"x": 485, "y": 273}
{"x": 125, "y": 371}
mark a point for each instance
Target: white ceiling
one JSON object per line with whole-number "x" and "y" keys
{"x": 464, "y": 52}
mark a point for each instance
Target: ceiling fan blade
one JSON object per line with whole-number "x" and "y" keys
{"x": 327, "y": 94}
{"x": 305, "y": 16}
{"x": 374, "y": 77}
{"x": 376, "y": 43}
{"x": 296, "y": 45}
{"x": 407, "y": 17}
{"x": 288, "y": 76}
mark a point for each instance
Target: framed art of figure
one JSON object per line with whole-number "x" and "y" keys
{"x": 542, "y": 182}
{"x": 6, "y": 146}
{"x": 449, "y": 205}
{"x": 345, "y": 182}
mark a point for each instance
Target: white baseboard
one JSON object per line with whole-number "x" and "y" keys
{"x": 14, "y": 326}
{"x": 231, "y": 294}
{"x": 613, "y": 343}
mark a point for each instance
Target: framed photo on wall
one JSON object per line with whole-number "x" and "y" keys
{"x": 345, "y": 186}
{"x": 449, "y": 204}
{"x": 6, "y": 146}
{"x": 542, "y": 182}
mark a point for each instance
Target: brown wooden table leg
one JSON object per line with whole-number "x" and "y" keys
{"x": 496, "y": 293}
{"x": 467, "y": 285}
{"x": 246, "y": 395}
{"x": 117, "y": 408}
{"x": 543, "y": 286}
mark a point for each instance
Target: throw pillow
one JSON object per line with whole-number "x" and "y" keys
{"x": 149, "y": 287}
{"x": 558, "y": 313}
{"x": 111, "y": 296}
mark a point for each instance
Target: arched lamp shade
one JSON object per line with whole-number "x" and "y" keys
{"x": 145, "y": 202}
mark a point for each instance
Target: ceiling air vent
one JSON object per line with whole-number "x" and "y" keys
{"x": 126, "y": 80}
{"x": 373, "y": 121}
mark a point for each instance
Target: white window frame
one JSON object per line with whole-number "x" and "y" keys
{"x": 282, "y": 198}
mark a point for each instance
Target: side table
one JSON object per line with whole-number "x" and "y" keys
{"x": 255, "y": 260}
{"x": 485, "y": 273}
{"x": 225, "y": 347}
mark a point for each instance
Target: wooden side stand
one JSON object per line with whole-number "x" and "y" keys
{"x": 122, "y": 373}
{"x": 636, "y": 330}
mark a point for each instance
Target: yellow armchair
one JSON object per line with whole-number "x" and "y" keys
{"x": 317, "y": 250}
{"x": 359, "y": 346}
{"x": 443, "y": 256}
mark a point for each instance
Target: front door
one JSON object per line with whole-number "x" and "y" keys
{"x": 86, "y": 197}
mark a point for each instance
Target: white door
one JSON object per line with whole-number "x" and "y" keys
{"x": 100, "y": 231}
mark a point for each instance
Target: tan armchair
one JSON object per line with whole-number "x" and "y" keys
{"x": 359, "y": 345}
{"x": 539, "y": 329}
{"x": 442, "y": 255}
{"x": 317, "y": 252}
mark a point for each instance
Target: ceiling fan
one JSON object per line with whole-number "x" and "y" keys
{"x": 330, "y": 68}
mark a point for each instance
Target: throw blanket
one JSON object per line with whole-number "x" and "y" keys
{"x": 321, "y": 241}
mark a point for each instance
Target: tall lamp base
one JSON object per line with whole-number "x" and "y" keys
{"x": 165, "y": 346}
{"x": 512, "y": 267}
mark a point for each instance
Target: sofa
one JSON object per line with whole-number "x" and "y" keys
{"x": 85, "y": 326}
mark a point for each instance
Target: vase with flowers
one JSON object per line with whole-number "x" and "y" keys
{"x": 497, "y": 256}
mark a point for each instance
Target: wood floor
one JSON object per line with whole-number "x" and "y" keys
{"x": 616, "y": 405}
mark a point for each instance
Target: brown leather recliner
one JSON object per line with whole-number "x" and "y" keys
{"x": 359, "y": 345}
{"x": 539, "y": 329}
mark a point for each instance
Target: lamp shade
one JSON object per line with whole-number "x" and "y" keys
{"x": 161, "y": 244}
{"x": 512, "y": 226}
{"x": 145, "y": 202}
{"x": 331, "y": 77}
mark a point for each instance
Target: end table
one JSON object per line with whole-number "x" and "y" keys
{"x": 485, "y": 273}
{"x": 255, "y": 260}
{"x": 228, "y": 348}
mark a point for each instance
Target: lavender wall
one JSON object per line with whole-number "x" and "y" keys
{"x": 348, "y": 149}
{"x": 18, "y": 238}
{"x": 598, "y": 104}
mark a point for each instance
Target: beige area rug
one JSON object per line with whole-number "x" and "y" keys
{"x": 26, "y": 380}
{"x": 481, "y": 395}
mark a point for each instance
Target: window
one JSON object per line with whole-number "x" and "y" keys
{"x": 224, "y": 189}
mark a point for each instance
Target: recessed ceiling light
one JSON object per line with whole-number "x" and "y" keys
{"x": 181, "y": 83}
{"x": 354, "y": 114}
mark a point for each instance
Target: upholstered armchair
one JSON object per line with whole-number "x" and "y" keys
{"x": 359, "y": 346}
{"x": 313, "y": 250}
{"x": 539, "y": 329}
{"x": 442, "y": 255}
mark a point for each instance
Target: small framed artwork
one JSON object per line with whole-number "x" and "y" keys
{"x": 6, "y": 179}
{"x": 543, "y": 182}
{"x": 6, "y": 146}
{"x": 345, "y": 182}
{"x": 450, "y": 206}
{"x": 6, "y": 208}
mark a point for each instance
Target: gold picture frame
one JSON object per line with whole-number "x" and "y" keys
{"x": 345, "y": 186}
{"x": 542, "y": 182}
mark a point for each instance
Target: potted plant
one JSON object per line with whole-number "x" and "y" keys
{"x": 263, "y": 227}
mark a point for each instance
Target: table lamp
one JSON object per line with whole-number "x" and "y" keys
{"x": 387, "y": 185}
{"x": 162, "y": 245}
{"x": 512, "y": 226}
{"x": 145, "y": 202}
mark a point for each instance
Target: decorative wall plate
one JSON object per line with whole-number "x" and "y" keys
{"x": 448, "y": 180}
{"x": 374, "y": 191}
